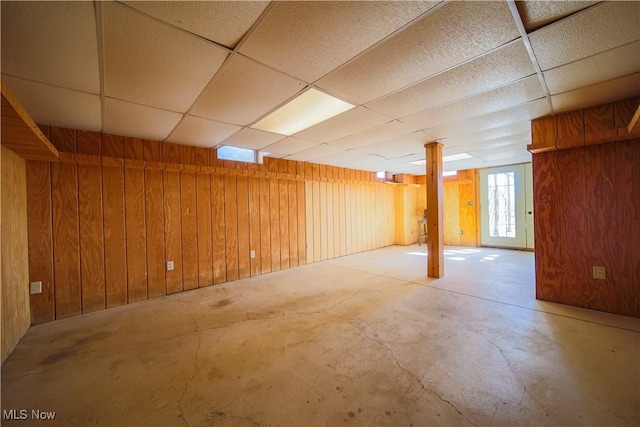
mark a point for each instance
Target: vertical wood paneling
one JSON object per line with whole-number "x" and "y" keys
{"x": 302, "y": 223}
{"x": 133, "y": 148}
{"x": 115, "y": 247}
{"x": 66, "y": 245}
{"x": 218, "y": 229}
{"x": 274, "y": 213}
{"x": 40, "y": 239}
{"x": 154, "y": 219}
{"x": 153, "y": 151}
{"x": 244, "y": 259}
{"x": 330, "y": 216}
{"x": 348, "y": 224}
{"x": 91, "y": 238}
{"x": 324, "y": 244}
{"x": 112, "y": 146}
{"x": 336, "y": 218}
{"x": 317, "y": 219}
{"x": 283, "y": 193}
{"x": 189, "y": 230}
{"x": 205, "y": 242}
{"x": 342, "y": 233}
{"x": 173, "y": 230}
{"x": 293, "y": 223}
{"x": 254, "y": 225}
{"x": 358, "y": 218}
{"x": 265, "y": 226}
{"x": 231, "y": 226}
{"x": 309, "y": 221}
{"x": 136, "y": 234}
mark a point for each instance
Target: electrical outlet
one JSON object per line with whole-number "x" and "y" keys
{"x": 599, "y": 272}
{"x": 253, "y": 254}
{"x": 169, "y": 265}
{"x": 35, "y": 287}
{"x": 308, "y": 245}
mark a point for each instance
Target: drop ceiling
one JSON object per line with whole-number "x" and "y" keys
{"x": 471, "y": 75}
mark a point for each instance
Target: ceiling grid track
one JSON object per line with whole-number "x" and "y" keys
{"x": 101, "y": 70}
{"x": 525, "y": 39}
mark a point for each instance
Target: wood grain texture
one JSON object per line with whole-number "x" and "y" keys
{"x": 265, "y": 226}
{"x": 348, "y": 219}
{"x": 254, "y": 225}
{"x": 317, "y": 219}
{"x": 274, "y": 215}
{"x": 89, "y": 143}
{"x": 302, "y": 222}
{"x": 330, "y": 215}
{"x": 115, "y": 249}
{"x": 600, "y": 124}
{"x": 154, "y": 220}
{"x": 189, "y": 230}
{"x": 14, "y": 252}
{"x": 112, "y": 146}
{"x": 324, "y": 235}
{"x": 63, "y": 139}
{"x": 571, "y": 130}
{"x": 66, "y": 244}
{"x": 91, "y": 238}
{"x": 293, "y": 222}
{"x": 283, "y": 219}
{"x": 579, "y": 194}
{"x": 342, "y": 233}
{"x": 153, "y": 151}
{"x": 309, "y": 215}
{"x": 133, "y": 148}
{"x": 543, "y": 135}
{"x": 173, "y": 230}
{"x": 136, "y": 234}
{"x": 171, "y": 153}
{"x": 244, "y": 246}
{"x": 40, "y": 237}
{"x": 205, "y": 241}
{"x": 435, "y": 192}
{"x": 231, "y": 226}
{"x": 218, "y": 229}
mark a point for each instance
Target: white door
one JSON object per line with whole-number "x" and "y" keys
{"x": 528, "y": 192}
{"x": 503, "y": 201}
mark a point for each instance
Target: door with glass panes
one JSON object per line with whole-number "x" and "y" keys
{"x": 506, "y": 206}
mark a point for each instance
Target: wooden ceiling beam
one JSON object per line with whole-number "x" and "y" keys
{"x": 20, "y": 134}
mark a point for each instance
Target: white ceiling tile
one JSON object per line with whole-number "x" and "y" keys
{"x": 252, "y": 138}
{"x": 502, "y": 66}
{"x": 201, "y": 132}
{"x": 447, "y": 36}
{"x": 347, "y": 123}
{"x": 50, "y": 105}
{"x": 307, "y": 39}
{"x": 375, "y": 134}
{"x": 243, "y": 91}
{"x": 289, "y": 146}
{"x": 51, "y": 42}
{"x": 138, "y": 121}
{"x": 521, "y": 113}
{"x": 315, "y": 153}
{"x": 224, "y": 22}
{"x": 538, "y": 13}
{"x": 602, "y": 93}
{"x": 594, "y": 69}
{"x": 594, "y": 30}
{"x": 149, "y": 63}
{"x": 489, "y": 136}
{"x": 507, "y": 96}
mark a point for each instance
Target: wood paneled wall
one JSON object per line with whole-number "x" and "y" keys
{"x": 461, "y": 224}
{"x": 588, "y": 214}
{"x": 114, "y": 210}
{"x": 14, "y": 268}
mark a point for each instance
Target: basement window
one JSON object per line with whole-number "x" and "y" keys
{"x": 237, "y": 154}
{"x": 381, "y": 174}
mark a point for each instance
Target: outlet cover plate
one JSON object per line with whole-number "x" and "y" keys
{"x": 169, "y": 265}
{"x": 35, "y": 287}
{"x": 599, "y": 272}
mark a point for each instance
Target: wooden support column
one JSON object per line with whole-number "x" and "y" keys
{"x": 435, "y": 225}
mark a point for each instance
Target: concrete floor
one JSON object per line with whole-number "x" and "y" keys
{"x": 361, "y": 340}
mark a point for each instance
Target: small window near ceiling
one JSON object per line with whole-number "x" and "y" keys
{"x": 381, "y": 174}
{"x": 227, "y": 152}
{"x": 450, "y": 173}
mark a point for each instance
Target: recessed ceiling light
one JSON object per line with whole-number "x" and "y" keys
{"x": 306, "y": 110}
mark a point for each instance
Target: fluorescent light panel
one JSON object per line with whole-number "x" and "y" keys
{"x": 306, "y": 110}
{"x": 450, "y": 158}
